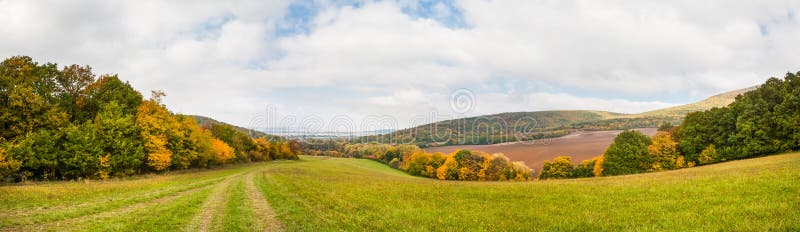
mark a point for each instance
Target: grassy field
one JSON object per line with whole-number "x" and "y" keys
{"x": 349, "y": 194}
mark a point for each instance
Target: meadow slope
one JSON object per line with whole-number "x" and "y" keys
{"x": 320, "y": 193}
{"x": 350, "y": 194}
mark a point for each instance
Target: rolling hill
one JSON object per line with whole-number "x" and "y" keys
{"x": 518, "y": 126}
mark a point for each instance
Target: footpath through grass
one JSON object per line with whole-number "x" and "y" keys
{"x": 327, "y": 194}
{"x": 349, "y": 194}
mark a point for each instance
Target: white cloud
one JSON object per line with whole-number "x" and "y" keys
{"x": 224, "y": 58}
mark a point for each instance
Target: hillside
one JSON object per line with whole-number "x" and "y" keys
{"x": 718, "y": 100}
{"x": 206, "y": 121}
{"x": 333, "y": 194}
{"x": 515, "y": 126}
{"x": 352, "y": 194}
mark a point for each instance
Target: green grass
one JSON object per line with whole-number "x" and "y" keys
{"x": 348, "y": 194}
{"x": 237, "y": 206}
{"x": 330, "y": 194}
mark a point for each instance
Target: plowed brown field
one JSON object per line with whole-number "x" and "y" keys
{"x": 580, "y": 145}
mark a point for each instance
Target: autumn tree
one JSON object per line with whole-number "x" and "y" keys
{"x": 190, "y": 144}
{"x": 496, "y": 169}
{"x": 709, "y": 155}
{"x": 222, "y": 152}
{"x": 262, "y": 150}
{"x": 598, "y": 166}
{"x": 27, "y": 103}
{"x": 8, "y": 166}
{"x": 418, "y": 163}
{"x": 664, "y": 153}
{"x": 559, "y": 168}
{"x": 518, "y": 171}
{"x": 71, "y": 82}
{"x": 154, "y": 122}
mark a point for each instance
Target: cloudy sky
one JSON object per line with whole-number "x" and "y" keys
{"x": 244, "y": 61}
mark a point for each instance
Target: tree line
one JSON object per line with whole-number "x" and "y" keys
{"x": 70, "y": 124}
{"x": 760, "y": 122}
{"x": 463, "y": 165}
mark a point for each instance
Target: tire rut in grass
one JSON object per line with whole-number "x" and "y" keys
{"x": 210, "y": 218}
{"x": 75, "y": 223}
{"x": 29, "y": 212}
{"x": 264, "y": 215}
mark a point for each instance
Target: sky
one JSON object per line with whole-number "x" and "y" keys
{"x": 394, "y": 64}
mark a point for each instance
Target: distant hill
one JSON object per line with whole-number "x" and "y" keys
{"x": 206, "y": 121}
{"x": 516, "y": 126}
{"x": 718, "y": 100}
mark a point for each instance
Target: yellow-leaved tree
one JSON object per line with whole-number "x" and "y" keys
{"x": 222, "y": 151}
{"x": 8, "y": 166}
{"x": 664, "y": 153}
{"x": 154, "y": 122}
{"x": 598, "y": 166}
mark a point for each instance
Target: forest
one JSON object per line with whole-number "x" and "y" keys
{"x": 67, "y": 123}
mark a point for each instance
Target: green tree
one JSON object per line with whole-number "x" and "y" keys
{"x": 107, "y": 89}
{"x": 627, "y": 154}
{"x": 81, "y": 152}
{"x": 585, "y": 168}
{"x": 39, "y": 153}
{"x": 119, "y": 136}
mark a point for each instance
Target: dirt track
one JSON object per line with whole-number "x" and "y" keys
{"x": 580, "y": 145}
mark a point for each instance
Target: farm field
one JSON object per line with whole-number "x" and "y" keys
{"x": 580, "y": 146}
{"x": 332, "y": 194}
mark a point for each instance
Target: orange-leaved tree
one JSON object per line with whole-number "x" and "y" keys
{"x": 222, "y": 151}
